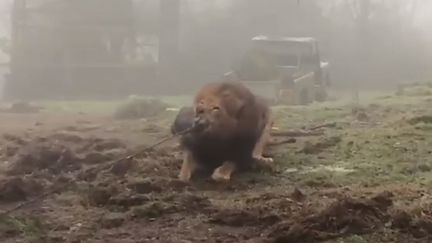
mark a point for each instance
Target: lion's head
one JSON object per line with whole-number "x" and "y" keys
{"x": 217, "y": 111}
{"x": 212, "y": 118}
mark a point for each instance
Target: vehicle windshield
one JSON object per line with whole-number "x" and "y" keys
{"x": 287, "y": 59}
{"x": 286, "y": 53}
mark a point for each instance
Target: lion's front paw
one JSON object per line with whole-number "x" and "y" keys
{"x": 263, "y": 160}
{"x": 219, "y": 176}
{"x": 185, "y": 176}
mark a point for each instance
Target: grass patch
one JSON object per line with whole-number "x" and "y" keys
{"x": 89, "y": 107}
{"x": 140, "y": 108}
{"x": 31, "y": 229}
{"x": 393, "y": 145}
{"x": 106, "y": 107}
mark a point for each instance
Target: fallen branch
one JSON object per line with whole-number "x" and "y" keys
{"x": 297, "y": 133}
{"x": 312, "y": 131}
{"x": 280, "y": 142}
{"x": 333, "y": 124}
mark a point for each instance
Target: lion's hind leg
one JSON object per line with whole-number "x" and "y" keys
{"x": 262, "y": 142}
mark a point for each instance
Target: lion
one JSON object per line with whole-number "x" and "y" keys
{"x": 231, "y": 128}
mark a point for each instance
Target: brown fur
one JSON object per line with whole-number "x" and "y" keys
{"x": 236, "y": 127}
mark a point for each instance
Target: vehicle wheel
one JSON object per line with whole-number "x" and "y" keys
{"x": 304, "y": 97}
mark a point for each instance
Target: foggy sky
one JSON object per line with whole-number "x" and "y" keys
{"x": 4, "y": 17}
{"x": 423, "y": 17}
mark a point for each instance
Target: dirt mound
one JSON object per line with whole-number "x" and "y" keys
{"x": 22, "y": 107}
{"x": 15, "y": 189}
{"x": 34, "y": 157}
{"x": 416, "y": 89}
{"x": 37, "y": 165}
{"x": 420, "y": 226}
{"x": 420, "y": 119}
{"x": 344, "y": 217}
{"x": 161, "y": 163}
{"x": 61, "y": 152}
{"x": 132, "y": 192}
{"x": 175, "y": 203}
{"x": 14, "y": 139}
{"x": 241, "y": 218}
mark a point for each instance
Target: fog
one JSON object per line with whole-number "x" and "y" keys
{"x": 389, "y": 47}
{"x": 369, "y": 44}
{"x": 109, "y": 134}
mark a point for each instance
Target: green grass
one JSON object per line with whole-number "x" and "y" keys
{"x": 30, "y": 228}
{"x": 387, "y": 148}
{"x": 92, "y": 107}
{"x": 104, "y": 107}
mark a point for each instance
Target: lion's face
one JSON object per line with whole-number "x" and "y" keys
{"x": 212, "y": 117}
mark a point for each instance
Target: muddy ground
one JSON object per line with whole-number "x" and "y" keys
{"x": 366, "y": 179}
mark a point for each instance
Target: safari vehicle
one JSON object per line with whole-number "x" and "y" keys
{"x": 284, "y": 70}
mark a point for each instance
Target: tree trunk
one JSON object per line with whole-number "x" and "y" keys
{"x": 168, "y": 41}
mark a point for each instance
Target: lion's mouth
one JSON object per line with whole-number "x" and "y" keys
{"x": 200, "y": 125}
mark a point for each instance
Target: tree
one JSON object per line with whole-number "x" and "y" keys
{"x": 5, "y": 10}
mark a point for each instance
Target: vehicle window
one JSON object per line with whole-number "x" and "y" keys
{"x": 287, "y": 60}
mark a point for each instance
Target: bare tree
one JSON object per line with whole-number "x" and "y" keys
{"x": 5, "y": 10}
